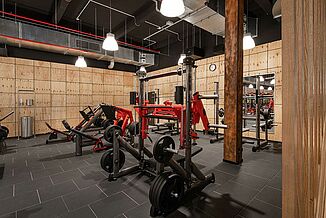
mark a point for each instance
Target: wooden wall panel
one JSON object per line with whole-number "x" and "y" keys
{"x": 60, "y": 90}
{"x": 58, "y": 74}
{"x": 24, "y": 72}
{"x": 7, "y": 70}
{"x": 304, "y": 113}
{"x": 42, "y": 73}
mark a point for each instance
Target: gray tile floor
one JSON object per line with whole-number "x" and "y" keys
{"x": 41, "y": 180}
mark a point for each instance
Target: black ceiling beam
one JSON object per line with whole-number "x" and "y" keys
{"x": 61, "y": 9}
{"x": 143, "y": 13}
{"x": 266, "y": 5}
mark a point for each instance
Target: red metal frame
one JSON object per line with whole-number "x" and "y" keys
{"x": 126, "y": 116}
{"x": 169, "y": 111}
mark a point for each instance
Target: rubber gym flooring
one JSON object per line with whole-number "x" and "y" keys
{"x": 41, "y": 180}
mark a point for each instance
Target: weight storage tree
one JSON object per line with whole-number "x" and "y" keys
{"x": 169, "y": 188}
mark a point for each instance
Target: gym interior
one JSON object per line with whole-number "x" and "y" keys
{"x": 162, "y": 108}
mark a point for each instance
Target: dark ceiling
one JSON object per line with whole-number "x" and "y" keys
{"x": 95, "y": 19}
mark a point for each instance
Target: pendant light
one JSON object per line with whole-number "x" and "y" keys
{"x": 142, "y": 69}
{"x": 261, "y": 87}
{"x": 261, "y": 79}
{"x": 270, "y": 89}
{"x": 80, "y": 62}
{"x": 182, "y": 57}
{"x": 248, "y": 41}
{"x": 251, "y": 86}
{"x": 110, "y": 43}
{"x": 272, "y": 82}
{"x": 172, "y": 8}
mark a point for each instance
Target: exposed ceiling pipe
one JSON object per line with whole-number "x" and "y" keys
{"x": 156, "y": 6}
{"x": 69, "y": 30}
{"x": 160, "y": 27}
{"x": 106, "y": 6}
{"x": 181, "y": 19}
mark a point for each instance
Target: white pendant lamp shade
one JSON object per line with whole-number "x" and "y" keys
{"x": 172, "y": 8}
{"x": 261, "y": 87}
{"x": 182, "y": 57}
{"x": 80, "y": 62}
{"x": 143, "y": 69}
{"x": 248, "y": 42}
{"x": 110, "y": 44}
{"x": 273, "y": 82}
{"x": 262, "y": 79}
{"x": 251, "y": 86}
{"x": 270, "y": 89}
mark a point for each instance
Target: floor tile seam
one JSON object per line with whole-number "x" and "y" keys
{"x": 259, "y": 177}
{"x": 268, "y": 203}
{"x": 247, "y": 186}
{"x": 131, "y": 198}
{"x": 251, "y": 200}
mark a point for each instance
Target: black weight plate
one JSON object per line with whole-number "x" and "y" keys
{"x": 107, "y": 160}
{"x": 159, "y": 153}
{"x": 171, "y": 193}
{"x": 154, "y": 187}
{"x": 108, "y": 133}
{"x": 159, "y": 187}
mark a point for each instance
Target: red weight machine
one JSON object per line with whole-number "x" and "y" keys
{"x": 170, "y": 111}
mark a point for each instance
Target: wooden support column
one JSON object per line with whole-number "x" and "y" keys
{"x": 304, "y": 109}
{"x": 233, "y": 80}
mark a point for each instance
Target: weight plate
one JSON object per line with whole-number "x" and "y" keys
{"x": 159, "y": 152}
{"x": 107, "y": 160}
{"x": 108, "y": 133}
{"x": 169, "y": 193}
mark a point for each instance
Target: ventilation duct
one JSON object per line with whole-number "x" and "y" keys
{"x": 27, "y": 35}
{"x": 207, "y": 19}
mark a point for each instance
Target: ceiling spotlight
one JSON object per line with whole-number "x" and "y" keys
{"x": 172, "y": 8}
{"x": 273, "y": 82}
{"x": 261, "y": 87}
{"x": 80, "y": 62}
{"x": 248, "y": 42}
{"x": 182, "y": 57}
{"x": 110, "y": 43}
{"x": 251, "y": 86}
{"x": 270, "y": 89}
{"x": 262, "y": 79}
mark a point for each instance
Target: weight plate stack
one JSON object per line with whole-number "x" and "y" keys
{"x": 166, "y": 193}
{"x": 107, "y": 160}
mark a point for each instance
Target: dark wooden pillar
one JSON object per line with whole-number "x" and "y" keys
{"x": 233, "y": 84}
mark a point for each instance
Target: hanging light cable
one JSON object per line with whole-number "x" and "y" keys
{"x": 248, "y": 41}
{"x": 172, "y": 8}
{"x": 80, "y": 62}
{"x": 110, "y": 43}
{"x": 183, "y": 55}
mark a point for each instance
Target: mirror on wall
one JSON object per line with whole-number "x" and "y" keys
{"x": 262, "y": 86}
